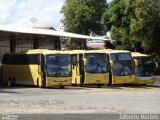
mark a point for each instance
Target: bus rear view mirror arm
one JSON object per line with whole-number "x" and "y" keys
{"x": 85, "y": 61}
{"x": 135, "y": 62}
{"x": 156, "y": 64}
{"x": 111, "y": 63}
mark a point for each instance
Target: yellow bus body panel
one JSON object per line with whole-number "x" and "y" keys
{"x": 28, "y": 75}
{"x": 58, "y": 81}
{"x": 123, "y": 79}
{"x": 144, "y": 80}
{"x": 97, "y": 78}
{"x": 24, "y": 74}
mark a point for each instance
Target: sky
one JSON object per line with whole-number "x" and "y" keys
{"x": 29, "y": 13}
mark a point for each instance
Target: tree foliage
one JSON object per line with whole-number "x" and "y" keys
{"x": 84, "y": 16}
{"x": 134, "y": 21}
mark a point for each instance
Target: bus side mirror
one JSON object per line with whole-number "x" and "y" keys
{"x": 135, "y": 62}
{"x": 111, "y": 63}
{"x": 85, "y": 61}
{"x": 156, "y": 64}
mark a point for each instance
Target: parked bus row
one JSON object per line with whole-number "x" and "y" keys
{"x": 48, "y": 68}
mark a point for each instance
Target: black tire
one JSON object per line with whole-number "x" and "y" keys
{"x": 38, "y": 83}
{"x": 13, "y": 82}
{"x": 99, "y": 86}
{"x": 110, "y": 78}
{"x": 62, "y": 87}
{"x": 80, "y": 85}
{"x": 10, "y": 82}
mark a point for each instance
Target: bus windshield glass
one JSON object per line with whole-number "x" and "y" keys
{"x": 58, "y": 65}
{"x": 145, "y": 67}
{"x": 122, "y": 64}
{"x": 97, "y": 63}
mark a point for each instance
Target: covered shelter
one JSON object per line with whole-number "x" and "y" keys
{"x": 14, "y": 39}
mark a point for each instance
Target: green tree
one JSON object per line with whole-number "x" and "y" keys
{"x": 84, "y": 16}
{"x": 132, "y": 21}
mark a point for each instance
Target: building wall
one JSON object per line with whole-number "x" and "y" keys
{"x": 19, "y": 42}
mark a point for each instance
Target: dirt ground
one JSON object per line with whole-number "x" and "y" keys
{"x": 89, "y": 99}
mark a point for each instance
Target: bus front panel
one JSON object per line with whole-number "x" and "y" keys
{"x": 58, "y": 68}
{"x": 96, "y": 68}
{"x": 144, "y": 72}
{"x": 122, "y": 69}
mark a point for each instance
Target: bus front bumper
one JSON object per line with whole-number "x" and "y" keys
{"x": 58, "y": 81}
{"x": 144, "y": 80}
{"x": 123, "y": 79}
{"x": 97, "y": 79}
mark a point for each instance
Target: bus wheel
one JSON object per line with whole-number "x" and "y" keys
{"x": 10, "y": 82}
{"x": 62, "y": 87}
{"x": 79, "y": 85}
{"x": 38, "y": 83}
{"x": 99, "y": 86}
{"x": 13, "y": 82}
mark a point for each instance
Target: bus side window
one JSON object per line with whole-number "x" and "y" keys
{"x": 7, "y": 59}
{"x": 74, "y": 59}
{"x": 34, "y": 59}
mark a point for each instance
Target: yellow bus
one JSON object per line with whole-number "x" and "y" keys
{"x": 39, "y": 67}
{"x": 122, "y": 67}
{"x": 144, "y": 70}
{"x": 1, "y": 75}
{"x": 90, "y": 67}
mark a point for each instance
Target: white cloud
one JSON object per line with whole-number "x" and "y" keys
{"x": 19, "y": 12}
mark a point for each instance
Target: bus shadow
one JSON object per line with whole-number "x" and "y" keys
{"x": 68, "y": 88}
{"x": 84, "y": 87}
{"x": 55, "y": 87}
{"x": 123, "y": 86}
{"x": 141, "y": 86}
{"x": 153, "y": 86}
{"x": 18, "y": 87}
{"x": 114, "y": 87}
{"x": 103, "y": 87}
{"x": 92, "y": 86}
{"x": 9, "y": 92}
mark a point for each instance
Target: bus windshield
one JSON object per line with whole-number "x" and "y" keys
{"x": 97, "y": 63}
{"x": 145, "y": 67}
{"x": 58, "y": 65}
{"x": 122, "y": 64}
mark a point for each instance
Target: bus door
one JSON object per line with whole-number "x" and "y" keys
{"x": 81, "y": 68}
{"x": 1, "y": 73}
{"x": 74, "y": 68}
{"x": 43, "y": 69}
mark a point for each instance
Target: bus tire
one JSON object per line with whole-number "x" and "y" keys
{"x": 99, "y": 86}
{"x": 4, "y": 81}
{"x": 110, "y": 77}
{"x": 13, "y": 82}
{"x": 62, "y": 87}
{"x": 38, "y": 83}
{"x": 79, "y": 85}
{"x": 9, "y": 82}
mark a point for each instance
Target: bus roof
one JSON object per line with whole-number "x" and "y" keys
{"x": 85, "y": 51}
{"x": 116, "y": 51}
{"x": 137, "y": 54}
{"x": 42, "y": 51}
